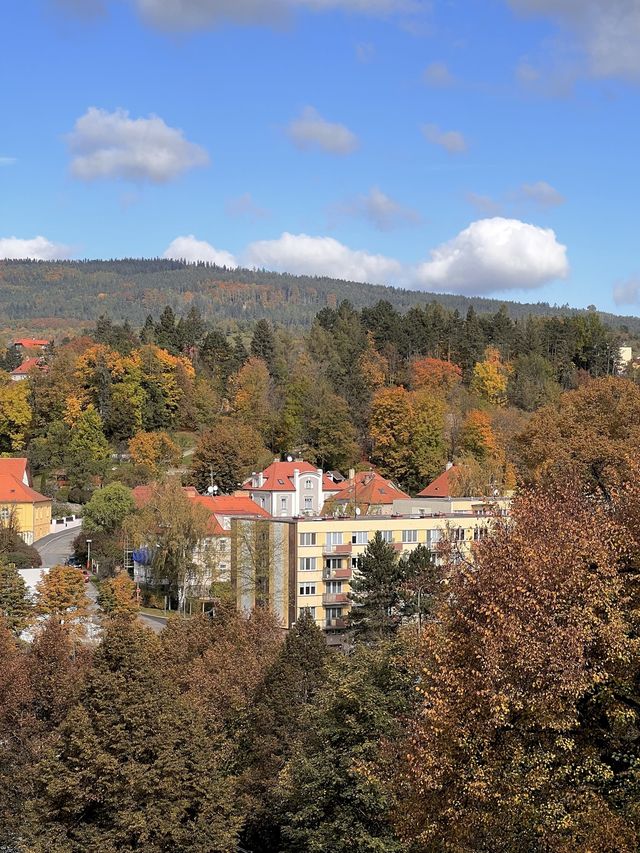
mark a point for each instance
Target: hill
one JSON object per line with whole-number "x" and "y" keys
{"x": 67, "y": 294}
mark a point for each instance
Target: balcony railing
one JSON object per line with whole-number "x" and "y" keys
{"x": 336, "y": 623}
{"x": 337, "y": 574}
{"x": 330, "y": 599}
{"x": 337, "y": 550}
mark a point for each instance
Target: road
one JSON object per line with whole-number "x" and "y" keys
{"x": 54, "y": 550}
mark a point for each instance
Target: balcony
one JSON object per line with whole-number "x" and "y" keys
{"x": 337, "y": 550}
{"x": 336, "y": 623}
{"x": 337, "y": 574}
{"x": 333, "y": 599}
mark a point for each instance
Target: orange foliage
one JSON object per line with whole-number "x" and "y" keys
{"x": 435, "y": 374}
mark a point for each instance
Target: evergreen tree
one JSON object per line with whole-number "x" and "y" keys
{"x": 263, "y": 344}
{"x": 376, "y": 591}
{"x": 421, "y": 583}
{"x": 148, "y": 333}
{"x": 14, "y": 602}
{"x": 132, "y": 766}
{"x": 289, "y": 685}
{"x": 332, "y": 796}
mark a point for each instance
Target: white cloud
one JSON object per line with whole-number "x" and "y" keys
{"x": 310, "y": 131}
{"x": 451, "y": 140}
{"x": 438, "y": 76}
{"x": 192, "y": 250}
{"x": 382, "y": 211}
{"x": 323, "y": 256}
{"x": 245, "y": 207}
{"x": 113, "y": 145}
{"x": 607, "y": 30}
{"x": 36, "y": 248}
{"x": 200, "y": 14}
{"x": 542, "y": 193}
{"x": 493, "y": 255}
{"x": 627, "y": 292}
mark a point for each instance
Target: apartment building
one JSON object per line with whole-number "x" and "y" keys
{"x": 297, "y": 564}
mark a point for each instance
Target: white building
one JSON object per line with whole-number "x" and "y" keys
{"x": 291, "y": 489}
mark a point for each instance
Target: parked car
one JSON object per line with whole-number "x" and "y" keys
{"x": 73, "y": 561}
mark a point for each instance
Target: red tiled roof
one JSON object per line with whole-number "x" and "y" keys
{"x": 26, "y": 366}
{"x": 16, "y": 466}
{"x": 278, "y": 477}
{"x": 370, "y": 488}
{"x": 220, "y": 505}
{"x": 13, "y": 490}
{"x": 440, "y": 487}
{"x": 31, "y": 342}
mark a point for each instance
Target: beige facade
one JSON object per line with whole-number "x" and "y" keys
{"x": 294, "y": 564}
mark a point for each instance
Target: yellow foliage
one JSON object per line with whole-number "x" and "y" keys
{"x": 490, "y": 377}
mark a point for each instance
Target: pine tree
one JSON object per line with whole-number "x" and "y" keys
{"x": 263, "y": 344}
{"x": 133, "y": 766}
{"x": 376, "y": 591}
{"x": 289, "y": 685}
{"x": 14, "y": 602}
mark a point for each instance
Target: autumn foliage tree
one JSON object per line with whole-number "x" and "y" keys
{"x": 435, "y": 375}
{"x": 491, "y": 377}
{"x": 117, "y": 596}
{"x": 527, "y": 734}
{"x": 62, "y": 597}
{"x": 228, "y": 452}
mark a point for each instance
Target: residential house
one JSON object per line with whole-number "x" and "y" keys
{"x": 437, "y": 497}
{"x": 306, "y": 564}
{"x": 20, "y": 504}
{"x": 363, "y": 493}
{"x": 291, "y": 488}
{"x": 22, "y": 371}
{"x": 31, "y": 343}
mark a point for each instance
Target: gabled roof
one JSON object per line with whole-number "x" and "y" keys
{"x": 367, "y": 487}
{"x": 440, "y": 487}
{"x": 13, "y": 490}
{"x": 278, "y": 477}
{"x": 31, "y": 342}
{"x": 26, "y": 366}
{"x": 16, "y": 466}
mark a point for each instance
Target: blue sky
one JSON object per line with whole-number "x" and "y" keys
{"x": 475, "y": 146}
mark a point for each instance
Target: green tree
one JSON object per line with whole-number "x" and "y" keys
{"x": 15, "y": 606}
{"x": 229, "y": 452}
{"x": 263, "y": 343}
{"x": 421, "y": 583}
{"x": 107, "y": 509}
{"x": 332, "y": 791}
{"x": 376, "y": 591}
{"x": 132, "y": 765}
{"x": 289, "y": 685}
{"x": 88, "y": 450}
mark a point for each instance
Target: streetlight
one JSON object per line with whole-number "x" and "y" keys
{"x": 88, "y": 554}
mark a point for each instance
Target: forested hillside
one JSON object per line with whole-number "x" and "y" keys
{"x": 63, "y": 294}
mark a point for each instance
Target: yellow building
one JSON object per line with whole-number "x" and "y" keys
{"x": 20, "y": 505}
{"x": 297, "y": 564}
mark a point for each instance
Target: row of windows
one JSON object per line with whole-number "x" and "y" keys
{"x": 408, "y": 537}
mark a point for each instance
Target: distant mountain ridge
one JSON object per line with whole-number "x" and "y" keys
{"x": 131, "y": 289}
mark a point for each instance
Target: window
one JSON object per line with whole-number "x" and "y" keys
{"x": 308, "y": 503}
{"x": 308, "y": 484}
{"x": 283, "y": 503}
{"x": 354, "y": 562}
{"x": 307, "y": 589}
{"x": 4, "y": 513}
{"x": 310, "y": 611}
{"x": 334, "y": 587}
{"x": 409, "y": 536}
{"x": 333, "y": 563}
{"x": 387, "y": 535}
{"x": 307, "y": 564}
{"x": 334, "y": 538}
{"x": 458, "y": 534}
{"x": 480, "y": 533}
{"x": 333, "y": 614}
{"x": 360, "y": 537}
{"x": 307, "y": 539}
{"x": 433, "y": 537}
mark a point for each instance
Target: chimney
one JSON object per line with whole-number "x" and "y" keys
{"x": 352, "y": 473}
{"x": 260, "y": 479}
{"x": 449, "y": 466}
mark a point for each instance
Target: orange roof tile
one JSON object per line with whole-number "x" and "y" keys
{"x": 13, "y": 490}
{"x": 31, "y": 342}
{"x": 369, "y": 488}
{"x": 16, "y": 466}
{"x": 440, "y": 487}
{"x": 26, "y": 366}
{"x": 278, "y": 477}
